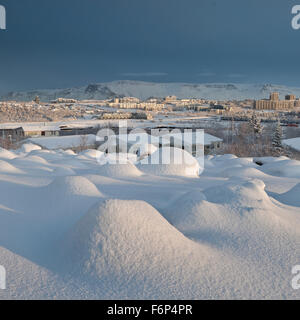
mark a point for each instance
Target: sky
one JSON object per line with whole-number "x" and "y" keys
{"x": 67, "y": 43}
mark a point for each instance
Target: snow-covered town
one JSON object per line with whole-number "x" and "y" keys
{"x": 90, "y": 218}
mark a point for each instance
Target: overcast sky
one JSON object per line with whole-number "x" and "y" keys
{"x": 64, "y": 43}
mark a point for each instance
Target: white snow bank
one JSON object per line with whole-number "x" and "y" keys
{"x": 124, "y": 170}
{"x": 65, "y": 142}
{"x": 6, "y": 154}
{"x": 92, "y": 154}
{"x": 241, "y": 218}
{"x": 63, "y": 187}
{"x": 128, "y": 241}
{"x": 249, "y": 193}
{"x": 224, "y": 157}
{"x": 113, "y": 158}
{"x": 291, "y": 197}
{"x": 220, "y": 237}
{"x": 196, "y": 209}
{"x": 282, "y": 168}
{"x": 225, "y": 166}
{"x": 6, "y": 167}
{"x": 169, "y": 161}
{"x": 63, "y": 171}
{"x": 28, "y": 147}
{"x": 243, "y": 172}
{"x": 293, "y": 143}
{"x": 144, "y": 150}
{"x": 265, "y": 160}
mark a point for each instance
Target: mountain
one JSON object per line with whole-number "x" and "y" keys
{"x": 144, "y": 90}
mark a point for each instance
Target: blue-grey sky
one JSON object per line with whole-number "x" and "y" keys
{"x": 63, "y": 43}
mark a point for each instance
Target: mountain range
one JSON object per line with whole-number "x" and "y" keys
{"x": 144, "y": 90}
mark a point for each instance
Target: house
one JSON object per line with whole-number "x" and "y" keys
{"x": 14, "y": 134}
{"x": 194, "y": 142}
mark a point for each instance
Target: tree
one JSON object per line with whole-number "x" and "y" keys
{"x": 255, "y": 124}
{"x": 276, "y": 141}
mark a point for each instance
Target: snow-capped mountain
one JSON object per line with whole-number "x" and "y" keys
{"x": 144, "y": 90}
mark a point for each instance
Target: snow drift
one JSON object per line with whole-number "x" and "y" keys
{"x": 169, "y": 161}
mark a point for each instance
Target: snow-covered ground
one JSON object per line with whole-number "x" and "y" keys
{"x": 64, "y": 142}
{"x": 293, "y": 143}
{"x": 70, "y": 228}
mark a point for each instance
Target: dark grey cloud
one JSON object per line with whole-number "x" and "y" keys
{"x": 62, "y": 43}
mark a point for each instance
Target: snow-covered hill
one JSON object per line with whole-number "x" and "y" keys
{"x": 144, "y": 90}
{"x": 71, "y": 228}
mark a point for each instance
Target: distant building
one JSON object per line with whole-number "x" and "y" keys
{"x": 274, "y": 103}
{"x": 170, "y": 99}
{"x": 129, "y": 100}
{"x": 210, "y": 142}
{"x": 14, "y": 134}
{"x": 274, "y": 96}
{"x": 63, "y": 100}
{"x": 290, "y": 97}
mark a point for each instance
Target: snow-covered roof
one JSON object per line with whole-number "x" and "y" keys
{"x": 64, "y": 142}
{"x": 189, "y": 137}
{"x": 194, "y": 137}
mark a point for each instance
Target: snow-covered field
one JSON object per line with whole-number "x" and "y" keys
{"x": 293, "y": 143}
{"x": 70, "y": 228}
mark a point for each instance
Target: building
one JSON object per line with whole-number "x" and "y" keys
{"x": 13, "y": 134}
{"x": 63, "y": 100}
{"x": 170, "y": 99}
{"x": 290, "y": 97}
{"x": 274, "y": 103}
{"x": 192, "y": 142}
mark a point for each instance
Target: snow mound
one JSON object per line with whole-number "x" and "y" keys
{"x": 243, "y": 193}
{"x": 69, "y": 152}
{"x": 92, "y": 154}
{"x": 144, "y": 149}
{"x": 242, "y": 172}
{"x": 127, "y": 169}
{"x": 72, "y": 163}
{"x": 225, "y": 157}
{"x": 169, "y": 161}
{"x": 6, "y": 154}
{"x": 265, "y": 160}
{"x": 282, "y": 168}
{"x": 28, "y": 147}
{"x": 240, "y": 218}
{"x": 234, "y": 162}
{"x": 223, "y": 206}
{"x": 62, "y": 171}
{"x": 36, "y": 159}
{"x": 6, "y": 167}
{"x": 184, "y": 211}
{"x": 121, "y": 157}
{"x": 63, "y": 187}
{"x": 126, "y": 240}
{"x": 225, "y": 167}
{"x": 291, "y": 197}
